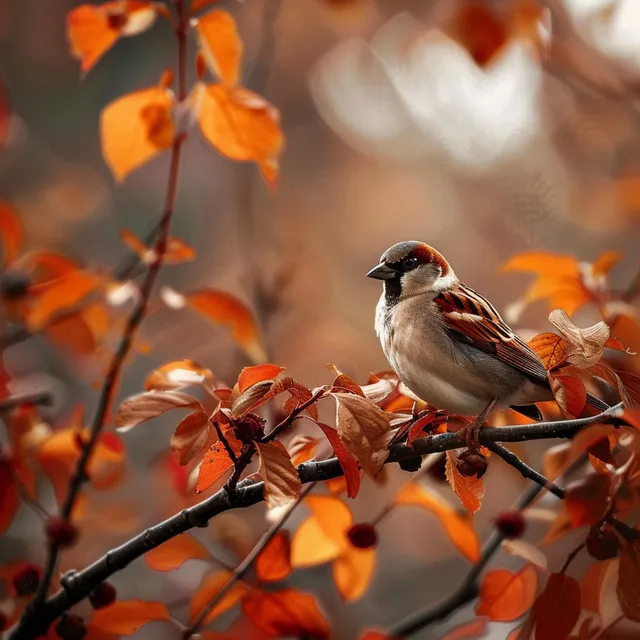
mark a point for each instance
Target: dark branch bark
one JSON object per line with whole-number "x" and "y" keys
{"x": 79, "y": 584}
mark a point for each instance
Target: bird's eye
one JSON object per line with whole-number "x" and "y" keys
{"x": 410, "y": 263}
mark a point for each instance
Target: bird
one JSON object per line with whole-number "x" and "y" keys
{"x": 449, "y": 345}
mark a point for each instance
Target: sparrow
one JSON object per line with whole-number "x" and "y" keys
{"x": 449, "y": 345}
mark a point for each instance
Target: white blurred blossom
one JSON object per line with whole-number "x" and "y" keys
{"x": 414, "y": 93}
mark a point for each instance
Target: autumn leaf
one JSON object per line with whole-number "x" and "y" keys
{"x": 274, "y": 562}
{"x": 125, "y": 617}
{"x": 459, "y": 529}
{"x": 505, "y": 596}
{"x": 587, "y": 499}
{"x": 142, "y": 407}
{"x": 190, "y": 436}
{"x": 259, "y": 373}
{"x": 93, "y": 29}
{"x": 526, "y": 551}
{"x": 628, "y": 588}
{"x": 215, "y": 464}
{"x": 352, "y": 571}
{"x": 11, "y": 233}
{"x": 468, "y": 630}
{"x": 221, "y": 44}
{"x": 207, "y": 591}
{"x": 9, "y": 496}
{"x": 176, "y": 250}
{"x": 569, "y": 392}
{"x": 557, "y": 608}
{"x": 551, "y": 348}
{"x": 286, "y": 613}
{"x": 346, "y": 460}
{"x": 177, "y": 375}
{"x": 470, "y": 490}
{"x": 365, "y": 430}
{"x": 175, "y": 552}
{"x": 302, "y": 448}
{"x": 282, "y": 485}
{"x": 136, "y": 127}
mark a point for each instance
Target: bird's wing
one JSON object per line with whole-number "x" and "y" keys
{"x": 472, "y": 319}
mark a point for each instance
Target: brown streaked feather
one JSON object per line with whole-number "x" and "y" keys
{"x": 473, "y": 319}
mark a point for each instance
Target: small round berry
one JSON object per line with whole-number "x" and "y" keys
{"x": 103, "y": 595}
{"x": 60, "y": 531}
{"x": 14, "y": 284}
{"x": 362, "y": 536}
{"x": 603, "y": 543}
{"x": 472, "y": 464}
{"x": 250, "y": 428}
{"x": 26, "y": 581}
{"x": 71, "y": 627}
{"x": 510, "y": 524}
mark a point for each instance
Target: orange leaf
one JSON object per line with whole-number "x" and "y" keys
{"x": 468, "y": 630}
{"x": 135, "y": 128}
{"x": 605, "y": 262}
{"x": 176, "y": 250}
{"x": 224, "y": 308}
{"x": 190, "y": 436}
{"x": 323, "y": 536}
{"x": 9, "y": 496}
{"x": 215, "y": 464}
{"x": 628, "y": 588}
{"x": 175, "y": 552}
{"x": 176, "y": 375}
{"x": 240, "y": 124}
{"x": 469, "y": 490}
{"x": 274, "y": 562}
{"x": 143, "y": 406}
{"x": 302, "y": 448}
{"x": 557, "y": 608}
{"x": 282, "y": 484}
{"x": 286, "y": 613}
{"x": 551, "y": 349}
{"x": 252, "y": 375}
{"x": 569, "y": 392}
{"x": 92, "y": 30}
{"x": 12, "y": 233}
{"x": 346, "y": 460}
{"x": 124, "y": 617}
{"x": 365, "y": 430}
{"x": 207, "y": 591}
{"x": 352, "y": 572}
{"x": 543, "y": 262}
{"x": 221, "y": 44}
{"x": 459, "y": 529}
{"x": 505, "y": 596}
{"x": 587, "y": 499}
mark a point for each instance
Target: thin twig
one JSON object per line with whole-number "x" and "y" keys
{"x": 291, "y": 418}
{"x": 572, "y": 556}
{"x": 113, "y": 375}
{"x": 240, "y": 571}
{"x": 527, "y": 472}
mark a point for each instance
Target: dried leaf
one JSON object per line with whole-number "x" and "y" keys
{"x": 274, "y": 562}
{"x": 286, "y": 613}
{"x": 221, "y": 45}
{"x": 175, "y": 552}
{"x": 587, "y": 499}
{"x": 346, "y": 460}
{"x": 469, "y": 490}
{"x": 208, "y": 589}
{"x": 123, "y": 618}
{"x": 224, "y": 308}
{"x": 142, "y": 407}
{"x": 282, "y": 484}
{"x": 11, "y": 232}
{"x": 190, "y": 436}
{"x": 379, "y": 391}
{"x": 352, "y": 572}
{"x": 586, "y": 346}
{"x": 177, "y": 375}
{"x": 570, "y": 393}
{"x": 260, "y": 373}
{"x": 557, "y": 608}
{"x": 459, "y": 529}
{"x": 365, "y": 429}
{"x": 136, "y": 127}
{"x": 505, "y": 596}
{"x": 628, "y": 588}
{"x": 215, "y": 464}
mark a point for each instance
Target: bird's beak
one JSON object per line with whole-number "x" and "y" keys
{"x": 382, "y": 272}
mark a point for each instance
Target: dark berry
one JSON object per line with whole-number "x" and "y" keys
{"x": 117, "y": 21}
{"x": 362, "y": 536}
{"x": 250, "y": 428}
{"x": 60, "y": 532}
{"x": 26, "y": 581}
{"x": 603, "y": 543}
{"x": 14, "y": 284}
{"x": 103, "y": 595}
{"x": 71, "y": 627}
{"x": 510, "y": 524}
{"x": 472, "y": 464}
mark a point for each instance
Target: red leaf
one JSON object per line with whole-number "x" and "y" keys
{"x": 505, "y": 596}
{"x": 175, "y": 552}
{"x": 569, "y": 393}
{"x": 587, "y": 499}
{"x": 215, "y": 464}
{"x": 557, "y": 608}
{"x": 346, "y": 460}
{"x": 123, "y": 618}
{"x": 252, "y": 375}
{"x": 274, "y": 562}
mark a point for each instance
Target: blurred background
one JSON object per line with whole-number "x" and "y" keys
{"x": 483, "y": 128}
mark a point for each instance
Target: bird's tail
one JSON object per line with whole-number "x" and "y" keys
{"x": 593, "y": 407}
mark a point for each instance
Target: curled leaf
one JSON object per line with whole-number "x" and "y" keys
{"x": 142, "y": 407}
{"x": 190, "y": 436}
{"x": 221, "y": 44}
{"x": 252, "y": 375}
{"x": 177, "y": 375}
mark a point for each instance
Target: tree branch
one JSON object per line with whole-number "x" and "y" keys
{"x": 79, "y": 584}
